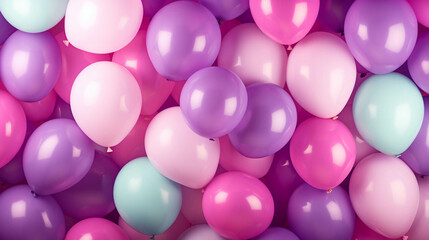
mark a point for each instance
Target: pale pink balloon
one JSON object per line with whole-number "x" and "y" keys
{"x": 106, "y": 102}
{"x": 102, "y": 26}
{"x": 73, "y": 62}
{"x": 254, "y": 57}
{"x": 154, "y": 88}
{"x": 192, "y": 205}
{"x": 384, "y": 194}
{"x": 419, "y": 230}
{"x": 321, "y": 73}
{"x": 177, "y": 90}
{"x": 178, "y": 153}
{"x": 40, "y": 110}
{"x": 232, "y": 160}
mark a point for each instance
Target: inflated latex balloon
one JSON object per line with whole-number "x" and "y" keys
{"x": 96, "y": 229}
{"x": 277, "y": 233}
{"x": 419, "y": 230}
{"x": 201, "y": 231}
{"x": 40, "y": 110}
{"x": 418, "y": 62}
{"x": 421, "y": 8}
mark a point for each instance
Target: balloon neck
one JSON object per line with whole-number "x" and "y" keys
{"x": 404, "y": 237}
{"x": 397, "y": 155}
{"x": 362, "y": 75}
{"x": 66, "y": 43}
{"x": 211, "y": 139}
{"x": 289, "y": 48}
{"x": 335, "y": 118}
{"x": 422, "y": 176}
{"x": 34, "y": 194}
{"x": 109, "y": 150}
{"x": 329, "y": 191}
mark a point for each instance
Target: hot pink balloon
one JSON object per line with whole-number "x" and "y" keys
{"x": 192, "y": 205}
{"x": 385, "y": 194}
{"x": 323, "y": 152}
{"x": 96, "y": 229}
{"x": 40, "y": 110}
{"x": 322, "y": 83}
{"x": 421, "y": 9}
{"x": 286, "y": 22}
{"x": 178, "y": 153}
{"x": 419, "y": 230}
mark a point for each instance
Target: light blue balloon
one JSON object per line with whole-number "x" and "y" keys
{"x": 146, "y": 200}
{"x": 33, "y": 16}
{"x": 388, "y": 112}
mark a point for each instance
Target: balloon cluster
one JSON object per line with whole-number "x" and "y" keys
{"x": 214, "y": 119}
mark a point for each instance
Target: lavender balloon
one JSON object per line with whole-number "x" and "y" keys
{"x": 418, "y": 62}
{"x": 213, "y": 101}
{"x": 24, "y": 216}
{"x": 182, "y": 38}
{"x": 226, "y": 9}
{"x": 268, "y": 123}
{"x": 30, "y": 64}
{"x": 57, "y": 156}
{"x": 277, "y": 233}
{"x": 381, "y": 33}
{"x": 317, "y": 214}
{"x": 332, "y": 13}
{"x": 5, "y": 29}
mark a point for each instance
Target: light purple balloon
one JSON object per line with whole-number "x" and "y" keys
{"x": 277, "y": 233}
{"x": 5, "y": 29}
{"x": 30, "y": 64}
{"x": 226, "y": 9}
{"x": 332, "y": 13}
{"x": 24, "y": 216}
{"x": 182, "y": 38}
{"x": 381, "y": 33}
{"x": 57, "y": 156}
{"x": 268, "y": 123}
{"x": 418, "y": 62}
{"x": 213, "y": 101}
{"x": 198, "y": 232}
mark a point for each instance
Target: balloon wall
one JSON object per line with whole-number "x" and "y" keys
{"x": 214, "y": 119}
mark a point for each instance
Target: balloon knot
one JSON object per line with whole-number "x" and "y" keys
{"x": 289, "y": 48}
{"x": 34, "y": 194}
{"x": 202, "y": 190}
{"x": 66, "y": 43}
{"x": 329, "y": 191}
{"x": 219, "y": 21}
{"x": 397, "y": 155}
{"x": 335, "y": 118}
{"x": 109, "y": 149}
{"x": 362, "y": 75}
{"x": 211, "y": 139}
{"x": 404, "y": 237}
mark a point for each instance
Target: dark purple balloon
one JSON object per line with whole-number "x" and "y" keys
{"x": 93, "y": 195}
{"x": 226, "y": 9}
{"x": 332, "y": 13}
{"x": 418, "y": 62}
{"x": 318, "y": 214}
{"x": 30, "y": 64}
{"x": 24, "y": 216}
{"x": 57, "y": 156}
{"x": 277, "y": 233}
{"x": 268, "y": 123}
{"x": 61, "y": 110}
{"x": 5, "y": 29}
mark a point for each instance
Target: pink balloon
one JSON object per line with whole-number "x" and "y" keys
{"x": 40, "y": 110}
{"x": 73, "y": 62}
{"x": 286, "y": 22}
{"x": 100, "y": 26}
{"x": 105, "y": 102}
{"x": 154, "y": 88}
{"x": 232, "y": 160}
{"x": 13, "y": 126}
{"x": 385, "y": 194}
{"x": 419, "y": 230}
{"x": 96, "y": 229}
{"x": 178, "y": 153}
{"x": 192, "y": 205}
{"x": 323, "y": 152}
{"x": 421, "y": 9}
{"x": 322, "y": 83}
{"x": 254, "y": 57}
{"x": 362, "y": 232}
{"x": 177, "y": 90}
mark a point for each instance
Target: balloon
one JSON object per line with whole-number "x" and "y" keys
{"x": 61, "y": 110}
{"x": 380, "y": 41}
{"x": 177, "y": 91}
{"x": 202, "y": 231}
{"x": 5, "y": 29}
{"x": 237, "y": 205}
{"x": 388, "y": 112}
{"x": 154, "y": 88}
{"x": 210, "y": 109}
{"x": 226, "y": 26}
{"x": 192, "y": 209}
{"x": 151, "y": 7}
{"x": 96, "y": 229}
{"x": 30, "y": 65}
{"x": 93, "y": 195}
{"x": 268, "y": 123}
{"x": 316, "y": 214}
{"x": 40, "y": 110}
{"x": 183, "y": 37}
{"x": 73, "y": 62}
{"x": 33, "y": 16}
{"x": 28, "y": 217}
{"x": 226, "y": 9}
{"x": 57, "y": 156}
{"x": 147, "y": 201}
{"x": 421, "y": 8}
{"x": 231, "y": 160}
{"x": 107, "y": 92}
{"x": 97, "y": 27}
{"x": 418, "y": 62}
{"x": 419, "y": 230}
{"x": 323, "y": 83}
{"x": 277, "y": 233}
{"x": 12, "y": 127}
{"x": 385, "y": 194}
{"x": 191, "y": 160}
{"x": 246, "y": 17}
{"x": 254, "y": 57}
{"x": 332, "y": 13}
{"x": 286, "y": 22}
{"x": 362, "y": 232}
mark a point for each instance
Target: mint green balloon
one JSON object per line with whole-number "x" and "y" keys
{"x": 33, "y": 16}
{"x": 388, "y": 112}
{"x": 146, "y": 200}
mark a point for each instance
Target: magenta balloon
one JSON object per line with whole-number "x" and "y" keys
{"x": 277, "y": 233}
{"x": 380, "y": 34}
{"x": 418, "y": 62}
{"x": 419, "y": 229}
{"x": 421, "y": 9}
{"x": 182, "y": 38}
{"x": 30, "y": 65}
{"x": 41, "y": 110}
{"x": 96, "y": 229}
{"x": 226, "y": 9}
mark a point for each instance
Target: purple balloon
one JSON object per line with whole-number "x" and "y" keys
{"x": 57, "y": 156}
{"x": 61, "y": 110}
{"x": 30, "y": 64}
{"x": 317, "y": 214}
{"x": 332, "y": 13}
{"x": 381, "y": 33}
{"x": 5, "y": 29}
{"x": 268, "y": 123}
{"x": 24, "y": 216}
{"x": 418, "y": 62}
{"x": 213, "y": 101}
{"x": 150, "y": 7}
{"x": 93, "y": 195}
{"x": 182, "y": 38}
{"x": 281, "y": 180}
{"x": 277, "y": 233}
{"x": 226, "y": 9}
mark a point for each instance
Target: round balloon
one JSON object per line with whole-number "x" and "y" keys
{"x": 201, "y": 231}
{"x": 418, "y": 62}
{"x": 421, "y": 8}
{"x": 277, "y": 233}
{"x": 226, "y": 9}
{"x": 418, "y": 230}
{"x": 41, "y": 110}
{"x": 332, "y": 14}
{"x": 96, "y": 229}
